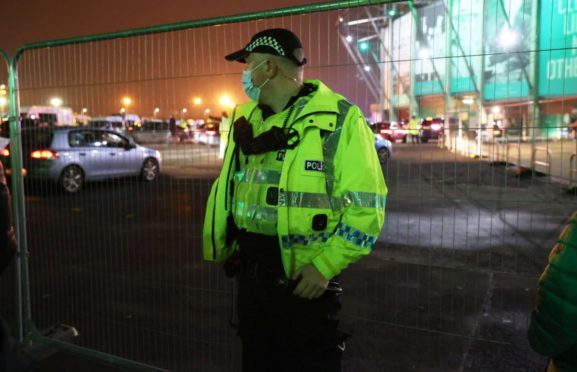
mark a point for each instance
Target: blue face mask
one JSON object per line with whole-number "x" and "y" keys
{"x": 251, "y": 90}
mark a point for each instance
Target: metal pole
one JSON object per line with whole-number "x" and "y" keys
{"x": 536, "y": 20}
{"x": 414, "y": 107}
{"x": 22, "y": 284}
{"x": 392, "y": 108}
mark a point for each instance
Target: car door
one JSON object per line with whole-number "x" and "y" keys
{"x": 122, "y": 158}
{"x": 84, "y": 144}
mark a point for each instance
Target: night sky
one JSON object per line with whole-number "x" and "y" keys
{"x": 165, "y": 70}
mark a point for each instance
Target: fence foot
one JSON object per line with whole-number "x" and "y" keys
{"x": 60, "y": 332}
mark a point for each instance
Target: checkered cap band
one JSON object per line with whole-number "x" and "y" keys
{"x": 266, "y": 41}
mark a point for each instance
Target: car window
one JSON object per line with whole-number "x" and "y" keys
{"x": 82, "y": 138}
{"x": 108, "y": 139}
{"x": 147, "y": 126}
{"x": 99, "y": 124}
{"x": 163, "y": 125}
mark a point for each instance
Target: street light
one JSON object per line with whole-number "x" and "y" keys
{"x": 3, "y": 102}
{"x": 126, "y": 101}
{"x": 508, "y": 38}
{"x": 122, "y": 110}
{"x": 156, "y": 111}
{"x": 56, "y": 101}
{"x": 225, "y": 101}
{"x": 197, "y": 101}
{"x": 84, "y": 110}
{"x": 424, "y": 53}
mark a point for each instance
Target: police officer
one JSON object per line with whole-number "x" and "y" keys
{"x": 414, "y": 129}
{"x": 301, "y": 195}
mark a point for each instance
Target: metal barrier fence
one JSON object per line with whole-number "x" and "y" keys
{"x": 450, "y": 283}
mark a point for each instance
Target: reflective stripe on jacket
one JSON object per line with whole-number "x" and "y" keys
{"x": 333, "y": 173}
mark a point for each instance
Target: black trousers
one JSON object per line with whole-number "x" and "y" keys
{"x": 280, "y": 331}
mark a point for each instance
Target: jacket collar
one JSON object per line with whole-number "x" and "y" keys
{"x": 322, "y": 100}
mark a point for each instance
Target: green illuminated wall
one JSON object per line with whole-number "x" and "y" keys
{"x": 558, "y": 48}
{"x": 507, "y": 45}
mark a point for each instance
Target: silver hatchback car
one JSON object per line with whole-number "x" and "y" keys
{"x": 71, "y": 156}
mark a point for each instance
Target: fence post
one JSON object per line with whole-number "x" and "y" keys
{"x": 22, "y": 283}
{"x": 544, "y": 164}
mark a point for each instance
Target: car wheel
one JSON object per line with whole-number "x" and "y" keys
{"x": 149, "y": 170}
{"x": 72, "y": 179}
{"x": 383, "y": 155}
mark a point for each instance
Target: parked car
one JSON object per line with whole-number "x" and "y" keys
{"x": 114, "y": 123}
{"x": 392, "y": 131}
{"x": 384, "y": 148}
{"x": 151, "y": 131}
{"x": 208, "y": 133}
{"x": 431, "y": 128}
{"x": 71, "y": 156}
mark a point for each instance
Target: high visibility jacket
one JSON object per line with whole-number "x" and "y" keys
{"x": 330, "y": 198}
{"x": 414, "y": 127}
{"x": 553, "y": 328}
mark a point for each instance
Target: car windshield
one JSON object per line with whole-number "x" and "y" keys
{"x": 98, "y": 124}
{"x": 37, "y": 138}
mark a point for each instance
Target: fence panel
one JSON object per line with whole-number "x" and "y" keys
{"x": 451, "y": 280}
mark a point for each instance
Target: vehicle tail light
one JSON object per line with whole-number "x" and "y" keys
{"x": 436, "y": 127}
{"x": 44, "y": 154}
{"x": 5, "y": 152}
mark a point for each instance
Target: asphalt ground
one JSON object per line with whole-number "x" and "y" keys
{"x": 448, "y": 287}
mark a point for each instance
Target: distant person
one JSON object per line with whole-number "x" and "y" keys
{"x": 7, "y": 236}
{"x": 172, "y": 125}
{"x": 9, "y": 360}
{"x": 414, "y": 129}
{"x": 553, "y": 328}
{"x": 300, "y": 197}
{"x": 224, "y": 129}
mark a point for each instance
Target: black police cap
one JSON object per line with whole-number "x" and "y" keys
{"x": 277, "y": 41}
